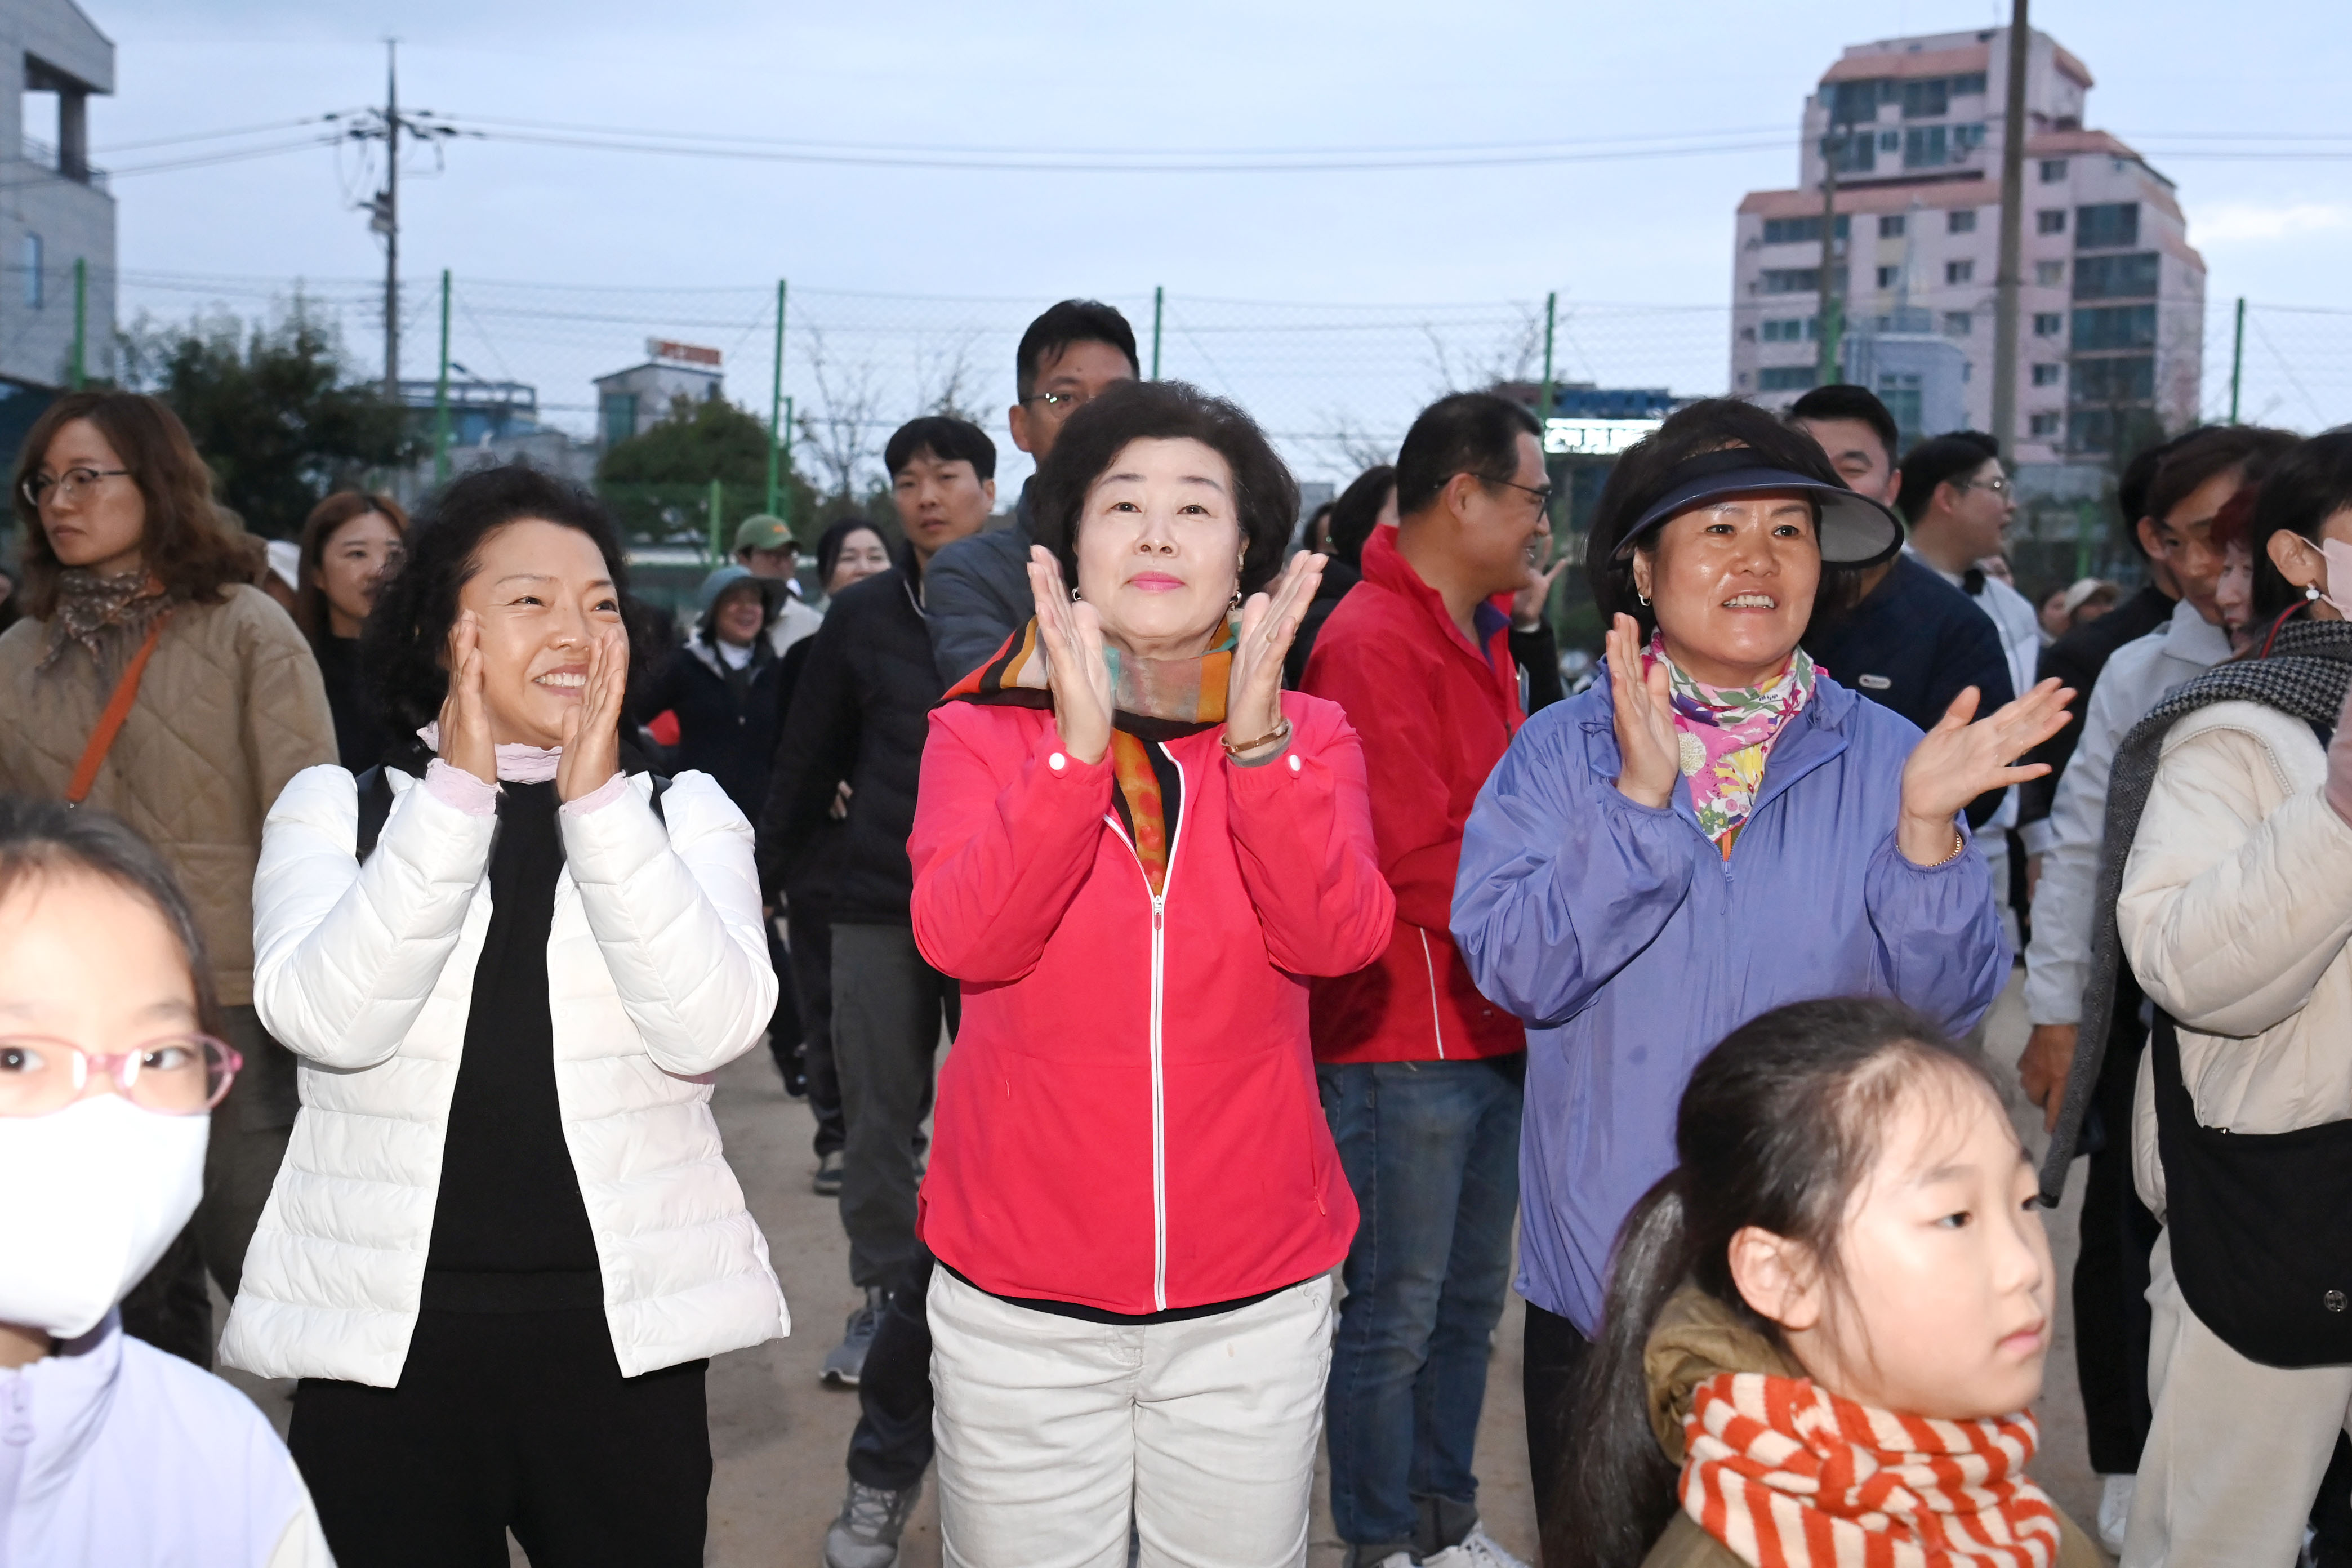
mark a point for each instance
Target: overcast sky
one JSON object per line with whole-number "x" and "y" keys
{"x": 1209, "y": 74}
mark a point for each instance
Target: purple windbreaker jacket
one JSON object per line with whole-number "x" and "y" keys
{"x": 1630, "y": 947}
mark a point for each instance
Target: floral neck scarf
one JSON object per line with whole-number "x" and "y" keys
{"x": 110, "y": 616}
{"x": 1726, "y": 734}
{"x": 1152, "y": 699}
{"x": 1784, "y": 1473}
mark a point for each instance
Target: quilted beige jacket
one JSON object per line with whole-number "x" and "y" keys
{"x": 231, "y": 707}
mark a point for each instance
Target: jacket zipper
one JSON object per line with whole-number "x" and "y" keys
{"x": 1159, "y": 1006}
{"x": 1436, "y": 1018}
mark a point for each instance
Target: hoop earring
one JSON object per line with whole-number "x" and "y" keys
{"x": 1237, "y": 599}
{"x": 1640, "y": 598}
{"x": 1074, "y": 596}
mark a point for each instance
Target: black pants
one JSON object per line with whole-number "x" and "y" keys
{"x": 1553, "y": 1353}
{"x": 892, "y": 1445}
{"x": 785, "y": 1031}
{"x": 812, "y": 967}
{"x": 887, "y": 1007}
{"x": 171, "y": 1309}
{"x": 509, "y": 1420}
{"x": 2111, "y": 1319}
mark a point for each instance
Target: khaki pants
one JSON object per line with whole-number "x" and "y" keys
{"x": 1054, "y": 1432}
{"x": 2237, "y": 1449}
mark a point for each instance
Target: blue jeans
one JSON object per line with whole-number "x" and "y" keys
{"x": 1432, "y": 1150}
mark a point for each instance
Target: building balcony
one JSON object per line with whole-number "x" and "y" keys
{"x": 41, "y": 156}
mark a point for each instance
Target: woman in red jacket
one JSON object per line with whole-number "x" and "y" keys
{"x": 1132, "y": 847}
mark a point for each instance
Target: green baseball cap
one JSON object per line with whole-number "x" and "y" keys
{"x": 762, "y": 531}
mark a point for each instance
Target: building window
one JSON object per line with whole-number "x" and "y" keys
{"x": 2108, "y": 225}
{"x": 2054, "y": 170}
{"x": 2050, "y": 274}
{"x": 1890, "y": 140}
{"x": 33, "y": 290}
{"x": 1957, "y": 323}
{"x": 2125, "y": 378}
{"x": 1966, "y": 139}
{"x": 2047, "y": 375}
{"x": 1785, "y": 378}
{"x": 2115, "y": 327}
{"x": 1802, "y": 230}
{"x": 1891, "y": 227}
{"x": 1959, "y": 271}
{"x": 1969, "y": 84}
{"x": 2050, "y": 220}
{"x": 2045, "y": 424}
{"x": 2131, "y": 276}
{"x": 1798, "y": 280}
{"x": 1790, "y": 329}
{"x": 2048, "y": 323}
{"x": 1926, "y": 147}
{"x": 1930, "y": 98}
{"x": 1960, "y": 220}
{"x": 617, "y": 414}
{"x": 1890, "y": 277}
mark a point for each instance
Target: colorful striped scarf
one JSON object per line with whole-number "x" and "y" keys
{"x": 1786, "y": 1474}
{"x": 1152, "y": 699}
{"x": 1725, "y": 733}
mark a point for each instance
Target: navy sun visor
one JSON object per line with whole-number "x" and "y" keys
{"x": 1854, "y": 530}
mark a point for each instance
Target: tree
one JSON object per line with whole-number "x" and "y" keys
{"x": 659, "y": 480}
{"x": 274, "y": 409}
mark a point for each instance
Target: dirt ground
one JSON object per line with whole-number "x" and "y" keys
{"x": 779, "y": 1437}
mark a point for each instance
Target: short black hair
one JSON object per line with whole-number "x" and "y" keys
{"x": 1071, "y": 321}
{"x": 1474, "y": 433}
{"x": 2305, "y": 487}
{"x": 1264, "y": 495}
{"x": 1644, "y": 473}
{"x": 946, "y": 440}
{"x": 2131, "y": 485}
{"x": 1357, "y": 511}
{"x": 1844, "y": 400}
{"x": 1940, "y": 460}
{"x": 408, "y": 632}
{"x": 2194, "y": 461}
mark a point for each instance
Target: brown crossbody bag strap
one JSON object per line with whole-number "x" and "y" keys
{"x": 109, "y": 723}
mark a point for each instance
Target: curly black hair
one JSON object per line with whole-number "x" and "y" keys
{"x": 407, "y": 636}
{"x": 1264, "y": 495}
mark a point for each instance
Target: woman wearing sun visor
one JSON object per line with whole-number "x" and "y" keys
{"x": 1714, "y": 830}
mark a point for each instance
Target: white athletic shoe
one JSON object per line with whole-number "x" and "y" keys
{"x": 2115, "y": 1510}
{"x": 1476, "y": 1550}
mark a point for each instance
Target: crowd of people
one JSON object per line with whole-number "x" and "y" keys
{"x": 373, "y": 920}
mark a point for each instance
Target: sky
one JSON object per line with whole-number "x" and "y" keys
{"x": 1372, "y": 277}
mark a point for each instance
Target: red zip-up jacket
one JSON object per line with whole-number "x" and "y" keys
{"x": 1128, "y": 1119}
{"x": 1434, "y": 716}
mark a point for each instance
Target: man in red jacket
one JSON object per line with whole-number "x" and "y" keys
{"x": 1420, "y": 1074}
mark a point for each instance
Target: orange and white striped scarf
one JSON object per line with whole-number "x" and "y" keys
{"x": 1786, "y": 1474}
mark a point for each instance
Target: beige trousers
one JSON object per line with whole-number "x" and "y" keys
{"x": 2236, "y": 1451}
{"x": 1054, "y": 1432}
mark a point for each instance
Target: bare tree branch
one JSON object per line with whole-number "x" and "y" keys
{"x": 840, "y": 432}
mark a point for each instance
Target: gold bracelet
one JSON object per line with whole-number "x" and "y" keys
{"x": 1279, "y": 732}
{"x": 1960, "y": 846}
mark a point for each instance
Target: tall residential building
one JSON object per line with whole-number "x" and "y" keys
{"x": 2111, "y": 305}
{"x": 55, "y": 209}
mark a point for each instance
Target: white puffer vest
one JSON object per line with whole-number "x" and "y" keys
{"x": 657, "y": 974}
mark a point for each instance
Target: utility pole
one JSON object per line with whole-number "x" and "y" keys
{"x": 1158, "y": 300}
{"x": 1826, "y": 324}
{"x": 77, "y": 370}
{"x": 2012, "y": 236}
{"x": 776, "y": 415}
{"x": 388, "y": 125}
{"x": 1551, "y": 322}
{"x": 2237, "y": 359}
{"x": 441, "y": 394}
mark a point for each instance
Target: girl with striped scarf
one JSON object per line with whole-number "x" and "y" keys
{"x": 1825, "y": 1328}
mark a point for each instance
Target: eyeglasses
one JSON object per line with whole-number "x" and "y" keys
{"x": 1543, "y": 494}
{"x": 1999, "y": 486}
{"x": 70, "y": 486}
{"x": 1066, "y": 401}
{"x": 180, "y": 1075}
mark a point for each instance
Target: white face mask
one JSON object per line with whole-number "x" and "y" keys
{"x": 96, "y": 1193}
{"x": 2337, "y": 589}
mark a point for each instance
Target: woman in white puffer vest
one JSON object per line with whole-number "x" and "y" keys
{"x": 505, "y": 1239}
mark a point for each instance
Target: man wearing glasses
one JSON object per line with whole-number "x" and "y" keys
{"x": 977, "y": 591}
{"x": 1421, "y": 1076}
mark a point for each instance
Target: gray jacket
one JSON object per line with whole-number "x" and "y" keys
{"x": 976, "y": 593}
